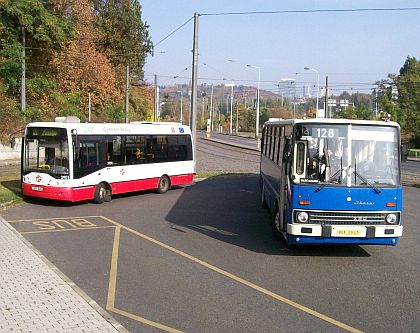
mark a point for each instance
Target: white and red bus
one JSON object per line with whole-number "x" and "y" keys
{"x": 73, "y": 161}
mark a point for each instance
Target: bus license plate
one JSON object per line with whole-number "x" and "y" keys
{"x": 348, "y": 232}
{"x": 37, "y": 188}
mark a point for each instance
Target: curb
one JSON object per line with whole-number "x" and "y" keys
{"x": 230, "y": 144}
{"x": 104, "y": 314}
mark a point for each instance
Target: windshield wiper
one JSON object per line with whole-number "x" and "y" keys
{"x": 371, "y": 185}
{"x": 320, "y": 187}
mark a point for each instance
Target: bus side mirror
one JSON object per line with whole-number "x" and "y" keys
{"x": 287, "y": 151}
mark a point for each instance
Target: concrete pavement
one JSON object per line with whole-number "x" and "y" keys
{"x": 36, "y": 297}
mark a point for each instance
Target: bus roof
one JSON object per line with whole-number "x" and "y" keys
{"x": 118, "y": 128}
{"x": 332, "y": 121}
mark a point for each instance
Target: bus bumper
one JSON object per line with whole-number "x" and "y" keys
{"x": 346, "y": 234}
{"x": 58, "y": 193}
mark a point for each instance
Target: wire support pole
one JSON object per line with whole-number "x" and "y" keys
{"x": 193, "y": 115}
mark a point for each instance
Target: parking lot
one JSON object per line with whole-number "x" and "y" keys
{"x": 203, "y": 259}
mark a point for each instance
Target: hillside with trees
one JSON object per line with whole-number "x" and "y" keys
{"x": 70, "y": 49}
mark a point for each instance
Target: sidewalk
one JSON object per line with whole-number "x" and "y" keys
{"x": 36, "y": 297}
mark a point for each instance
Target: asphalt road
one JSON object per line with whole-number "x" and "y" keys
{"x": 202, "y": 258}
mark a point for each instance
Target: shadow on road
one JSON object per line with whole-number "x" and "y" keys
{"x": 227, "y": 208}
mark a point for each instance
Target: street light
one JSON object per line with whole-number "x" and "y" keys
{"x": 180, "y": 91}
{"x": 231, "y": 106}
{"x": 317, "y": 93}
{"x": 257, "y": 121}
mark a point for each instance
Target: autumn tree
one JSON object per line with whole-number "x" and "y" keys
{"x": 81, "y": 68}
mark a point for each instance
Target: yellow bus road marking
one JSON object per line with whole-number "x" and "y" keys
{"x": 61, "y": 230}
{"x": 60, "y": 224}
{"x": 58, "y": 218}
{"x": 223, "y": 272}
{"x": 112, "y": 286}
{"x": 145, "y": 321}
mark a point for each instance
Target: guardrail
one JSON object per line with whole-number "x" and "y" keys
{"x": 414, "y": 152}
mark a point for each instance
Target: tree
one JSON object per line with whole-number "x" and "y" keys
{"x": 408, "y": 84}
{"x": 125, "y": 37}
{"x": 44, "y": 30}
{"x": 80, "y": 66}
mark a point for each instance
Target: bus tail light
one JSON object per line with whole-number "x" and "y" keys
{"x": 391, "y": 204}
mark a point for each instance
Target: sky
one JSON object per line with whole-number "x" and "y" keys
{"x": 354, "y": 49}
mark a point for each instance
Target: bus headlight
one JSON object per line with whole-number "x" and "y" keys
{"x": 391, "y": 218}
{"x": 302, "y": 217}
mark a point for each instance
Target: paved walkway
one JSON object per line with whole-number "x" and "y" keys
{"x": 36, "y": 297}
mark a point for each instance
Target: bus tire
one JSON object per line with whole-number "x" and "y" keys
{"x": 263, "y": 201}
{"x": 164, "y": 184}
{"x": 275, "y": 223}
{"x": 101, "y": 193}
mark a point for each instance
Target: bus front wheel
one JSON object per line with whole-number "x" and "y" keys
{"x": 276, "y": 224}
{"x": 102, "y": 194}
{"x": 163, "y": 185}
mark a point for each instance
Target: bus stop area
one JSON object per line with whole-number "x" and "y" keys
{"x": 36, "y": 297}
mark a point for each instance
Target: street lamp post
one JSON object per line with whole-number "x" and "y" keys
{"x": 231, "y": 106}
{"x": 317, "y": 93}
{"x": 257, "y": 121}
{"x": 180, "y": 91}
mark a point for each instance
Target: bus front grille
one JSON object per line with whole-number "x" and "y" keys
{"x": 346, "y": 218}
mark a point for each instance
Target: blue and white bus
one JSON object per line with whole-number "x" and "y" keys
{"x": 332, "y": 181}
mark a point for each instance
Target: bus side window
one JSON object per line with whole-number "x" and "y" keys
{"x": 299, "y": 161}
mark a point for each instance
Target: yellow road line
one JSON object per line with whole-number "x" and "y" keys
{"x": 240, "y": 280}
{"x": 113, "y": 286}
{"x": 58, "y": 230}
{"x": 113, "y": 271}
{"x": 54, "y": 218}
{"x": 146, "y": 321}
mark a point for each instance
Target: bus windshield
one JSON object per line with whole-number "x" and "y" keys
{"x": 47, "y": 151}
{"x": 346, "y": 155}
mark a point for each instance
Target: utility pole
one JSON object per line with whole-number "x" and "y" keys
{"x": 127, "y": 87}
{"x": 89, "y": 107}
{"x": 211, "y": 108}
{"x": 203, "y": 109}
{"x": 237, "y": 117}
{"x": 326, "y": 97}
{"x": 155, "y": 118}
{"x": 180, "y": 120}
{"x": 193, "y": 115}
{"x": 23, "y": 77}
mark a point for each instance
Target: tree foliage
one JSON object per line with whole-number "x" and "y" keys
{"x": 72, "y": 47}
{"x": 125, "y": 37}
{"x": 400, "y": 97}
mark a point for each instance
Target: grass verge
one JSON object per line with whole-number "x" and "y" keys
{"x": 10, "y": 194}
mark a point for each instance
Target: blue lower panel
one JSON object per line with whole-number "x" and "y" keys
{"x": 292, "y": 239}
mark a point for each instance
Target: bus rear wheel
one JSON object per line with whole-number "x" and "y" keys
{"x": 163, "y": 185}
{"x": 102, "y": 194}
